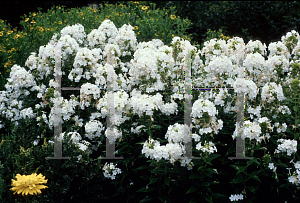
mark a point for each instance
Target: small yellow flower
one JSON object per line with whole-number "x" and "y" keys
{"x": 135, "y": 27}
{"x": 26, "y": 19}
{"x": 156, "y": 34}
{"x": 34, "y": 14}
{"x": 16, "y": 36}
{"x": 41, "y": 29}
{"x": 59, "y": 7}
{"x": 136, "y": 2}
{"x": 83, "y": 18}
{"x": 172, "y": 35}
{"x": 172, "y": 17}
{"x": 95, "y": 10}
{"x": 32, "y": 21}
{"x": 144, "y": 7}
{"x": 139, "y": 33}
{"x": 31, "y": 184}
{"x": 1, "y": 33}
{"x": 9, "y": 32}
{"x": 59, "y": 22}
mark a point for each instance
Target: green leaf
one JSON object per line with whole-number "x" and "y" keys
{"x": 167, "y": 181}
{"x": 242, "y": 169}
{"x": 295, "y": 108}
{"x": 163, "y": 199}
{"x": 208, "y": 198}
{"x": 141, "y": 168}
{"x": 218, "y": 196}
{"x": 252, "y": 188}
{"x": 213, "y": 156}
{"x": 297, "y": 122}
{"x": 191, "y": 190}
{"x": 153, "y": 180}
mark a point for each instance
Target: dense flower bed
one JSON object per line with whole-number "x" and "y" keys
{"x": 149, "y": 103}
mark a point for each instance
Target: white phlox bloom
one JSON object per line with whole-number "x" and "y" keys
{"x": 201, "y": 106}
{"x": 93, "y": 129}
{"x": 288, "y": 38}
{"x": 214, "y": 48}
{"x": 289, "y": 146}
{"x": 68, "y": 108}
{"x": 20, "y": 78}
{"x": 36, "y": 64}
{"x": 256, "y": 47}
{"x": 27, "y": 113}
{"x": 255, "y": 65}
{"x": 75, "y": 31}
{"x": 272, "y": 167}
{"x": 96, "y": 38}
{"x": 110, "y": 31}
{"x": 113, "y": 135}
{"x": 142, "y": 103}
{"x": 110, "y": 170}
{"x": 207, "y": 147}
{"x": 277, "y": 63}
{"x": 233, "y": 45}
{"x": 69, "y": 46}
{"x": 86, "y": 91}
{"x": 236, "y": 197}
{"x": 246, "y": 86}
{"x": 218, "y": 66}
{"x": 154, "y": 44}
{"x": 270, "y": 90}
{"x": 296, "y": 51}
{"x": 126, "y": 39}
{"x": 278, "y": 48}
{"x": 252, "y": 130}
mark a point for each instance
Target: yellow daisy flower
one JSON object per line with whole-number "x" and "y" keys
{"x": 172, "y": 17}
{"x": 144, "y": 7}
{"x": 26, "y": 19}
{"x": 28, "y": 184}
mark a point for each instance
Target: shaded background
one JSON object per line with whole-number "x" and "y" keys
{"x": 263, "y": 20}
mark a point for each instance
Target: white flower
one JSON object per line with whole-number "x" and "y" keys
{"x": 236, "y": 197}
{"x": 110, "y": 170}
{"x": 272, "y": 167}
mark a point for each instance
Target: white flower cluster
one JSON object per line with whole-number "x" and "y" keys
{"x": 77, "y": 140}
{"x": 93, "y": 129}
{"x": 256, "y": 47}
{"x": 207, "y": 147}
{"x": 200, "y": 107}
{"x": 252, "y": 130}
{"x": 289, "y": 146}
{"x": 171, "y": 151}
{"x": 75, "y": 31}
{"x": 255, "y": 64}
{"x": 126, "y": 39}
{"x": 278, "y": 48}
{"x": 295, "y": 178}
{"x": 110, "y": 171}
{"x": 236, "y": 197}
{"x": 152, "y": 61}
{"x": 271, "y": 89}
{"x": 214, "y": 48}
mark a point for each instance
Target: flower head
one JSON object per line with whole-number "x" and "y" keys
{"x": 144, "y": 7}
{"x": 28, "y": 184}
